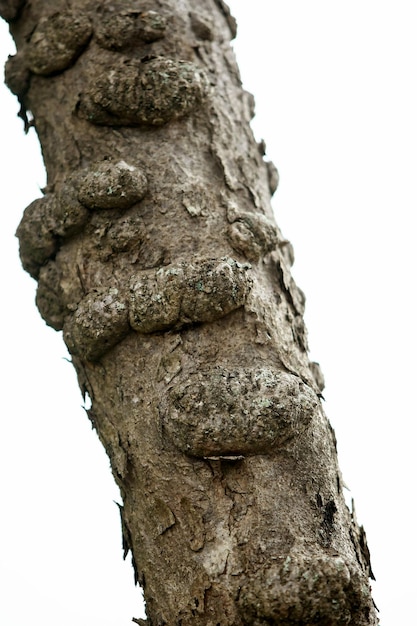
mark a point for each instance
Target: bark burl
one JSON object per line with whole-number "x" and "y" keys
{"x": 156, "y": 252}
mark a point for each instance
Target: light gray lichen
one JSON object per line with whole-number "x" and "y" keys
{"x": 152, "y": 92}
{"x": 57, "y": 41}
{"x": 188, "y": 292}
{"x": 220, "y": 412}
{"x": 109, "y": 185}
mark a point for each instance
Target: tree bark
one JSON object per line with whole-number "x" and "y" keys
{"x": 156, "y": 252}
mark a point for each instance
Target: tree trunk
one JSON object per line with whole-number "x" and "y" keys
{"x": 156, "y": 252}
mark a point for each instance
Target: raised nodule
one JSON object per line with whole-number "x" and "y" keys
{"x": 151, "y": 93}
{"x": 120, "y": 29}
{"x": 109, "y": 185}
{"x": 188, "y": 292}
{"x": 305, "y": 590}
{"x": 217, "y": 412}
{"x": 37, "y": 240}
{"x": 99, "y": 323}
{"x": 251, "y": 234}
{"x": 57, "y": 41}
{"x": 168, "y": 298}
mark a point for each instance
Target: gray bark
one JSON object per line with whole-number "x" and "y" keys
{"x": 156, "y": 251}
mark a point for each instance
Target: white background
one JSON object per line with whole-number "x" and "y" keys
{"x": 335, "y": 86}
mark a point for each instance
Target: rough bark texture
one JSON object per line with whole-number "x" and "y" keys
{"x": 155, "y": 250}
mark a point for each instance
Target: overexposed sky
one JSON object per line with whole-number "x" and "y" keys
{"x": 336, "y": 98}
